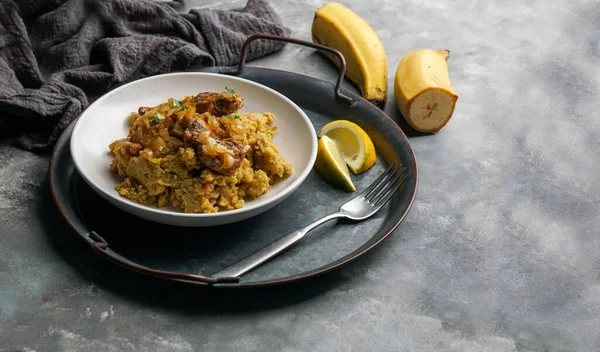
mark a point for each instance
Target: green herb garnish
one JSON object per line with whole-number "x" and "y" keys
{"x": 183, "y": 108}
{"x": 267, "y": 132}
{"x": 156, "y": 119}
{"x": 231, "y": 91}
{"x": 234, "y": 116}
{"x": 176, "y": 102}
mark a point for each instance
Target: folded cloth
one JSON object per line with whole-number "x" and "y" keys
{"x": 58, "y": 56}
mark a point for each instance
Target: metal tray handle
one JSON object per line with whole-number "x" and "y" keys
{"x": 100, "y": 246}
{"x": 242, "y": 62}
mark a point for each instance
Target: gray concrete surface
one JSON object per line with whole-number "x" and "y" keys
{"x": 499, "y": 253}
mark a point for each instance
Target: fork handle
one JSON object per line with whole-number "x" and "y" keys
{"x": 269, "y": 251}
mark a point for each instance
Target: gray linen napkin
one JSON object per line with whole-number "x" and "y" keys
{"x": 58, "y": 56}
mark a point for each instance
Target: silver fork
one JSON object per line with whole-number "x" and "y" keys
{"x": 361, "y": 207}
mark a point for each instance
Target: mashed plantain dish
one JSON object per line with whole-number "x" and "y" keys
{"x": 199, "y": 154}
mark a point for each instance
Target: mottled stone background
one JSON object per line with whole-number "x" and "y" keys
{"x": 500, "y": 251}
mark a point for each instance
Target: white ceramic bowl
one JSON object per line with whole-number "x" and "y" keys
{"x": 105, "y": 120}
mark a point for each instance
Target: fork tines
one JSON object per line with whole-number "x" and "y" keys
{"x": 384, "y": 187}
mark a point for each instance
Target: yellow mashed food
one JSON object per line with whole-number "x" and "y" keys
{"x": 199, "y": 155}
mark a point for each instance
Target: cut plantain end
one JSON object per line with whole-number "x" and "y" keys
{"x": 431, "y": 110}
{"x": 423, "y": 90}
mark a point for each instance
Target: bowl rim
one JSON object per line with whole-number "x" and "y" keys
{"x": 305, "y": 171}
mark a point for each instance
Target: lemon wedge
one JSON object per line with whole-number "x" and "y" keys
{"x": 354, "y": 144}
{"x": 330, "y": 165}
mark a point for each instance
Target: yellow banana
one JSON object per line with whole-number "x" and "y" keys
{"x": 423, "y": 90}
{"x": 338, "y": 27}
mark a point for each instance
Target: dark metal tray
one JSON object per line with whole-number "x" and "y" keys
{"x": 189, "y": 255}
